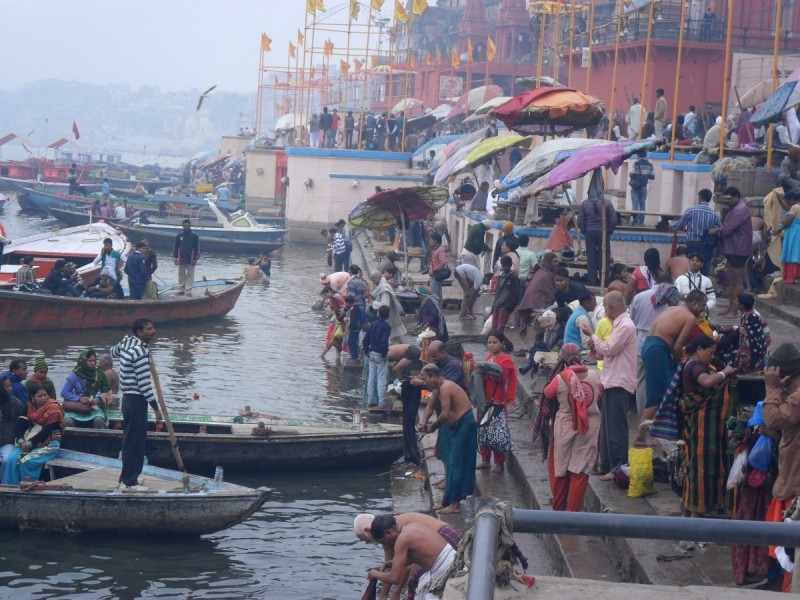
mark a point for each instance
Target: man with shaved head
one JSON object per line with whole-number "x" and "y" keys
{"x": 619, "y": 382}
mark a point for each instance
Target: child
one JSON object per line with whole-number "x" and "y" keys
{"x": 355, "y": 316}
{"x": 376, "y": 346}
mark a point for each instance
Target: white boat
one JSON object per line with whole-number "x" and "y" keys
{"x": 79, "y": 245}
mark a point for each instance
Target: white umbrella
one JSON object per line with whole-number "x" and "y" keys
{"x": 491, "y": 105}
{"x": 409, "y": 105}
{"x": 440, "y": 112}
{"x": 290, "y": 121}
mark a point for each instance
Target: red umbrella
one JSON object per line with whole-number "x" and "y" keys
{"x": 551, "y": 106}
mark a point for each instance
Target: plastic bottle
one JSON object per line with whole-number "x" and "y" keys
{"x": 218, "y": 475}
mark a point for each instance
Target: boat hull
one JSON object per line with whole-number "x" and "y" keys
{"x": 238, "y": 453}
{"x": 166, "y": 240}
{"x": 41, "y": 312}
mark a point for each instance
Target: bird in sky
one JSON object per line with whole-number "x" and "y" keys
{"x": 203, "y": 96}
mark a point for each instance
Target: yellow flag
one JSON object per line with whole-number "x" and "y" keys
{"x": 418, "y": 7}
{"x": 377, "y": 4}
{"x": 354, "y": 8}
{"x": 292, "y": 53}
{"x": 311, "y": 7}
{"x": 358, "y": 64}
{"x": 400, "y": 13}
{"x": 469, "y": 50}
{"x": 344, "y": 67}
{"x": 455, "y": 61}
{"x": 428, "y": 58}
{"x": 438, "y": 56}
{"x": 265, "y": 43}
{"x": 321, "y": 5}
{"x": 491, "y": 50}
{"x": 300, "y": 38}
{"x": 412, "y": 60}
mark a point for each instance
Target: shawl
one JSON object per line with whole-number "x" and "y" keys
{"x": 501, "y": 390}
{"x": 49, "y": 413}
{"x": 665, "y": 293}
{"x": 384, "y": 288}
{"x": 94, "y": 379}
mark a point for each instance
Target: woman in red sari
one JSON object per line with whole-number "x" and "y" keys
{"x": 336, "y": 329}
{"x": 500, "y": 390}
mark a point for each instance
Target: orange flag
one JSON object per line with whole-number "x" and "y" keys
{"x": 292, "y": 53}
{"x": 400, "y": 13}
{"x": 344, "y": 67}
{"x": 265, "y": 43}
{"x": 313, "y": 72}
{"x": 469, "y": 50}
{"x": 438, "y": 56}
{"x": 358, "y": 65}
{"x": 491, "y": 50}
{"x": 328, "y": 51}
{"x": 455, "y": 61}
{"x": 412, "y": 60}
{"x": 373, "y": 62}
{"x": 418, "y": 7}
{"x": 300, "y": 38}
{"x": 428, "y": 58}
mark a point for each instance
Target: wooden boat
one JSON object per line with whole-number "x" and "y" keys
{"x": 83, "y": 497}
{"x": 83, "y": 217}
{"x": 20, "y": 311}
{"x": 207, "y": 441}
{"x": 79, "y": 245}
{"x": 166, "y": 241}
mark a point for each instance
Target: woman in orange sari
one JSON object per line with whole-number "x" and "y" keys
{"x": 500, "y": 390}
{"x": 40, "y": 441}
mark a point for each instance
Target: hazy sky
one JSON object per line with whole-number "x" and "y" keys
{"x": 174, "y": 44}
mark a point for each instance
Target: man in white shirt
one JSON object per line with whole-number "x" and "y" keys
{"x": 470, "y": 279}
{"x": 688, "y": 121}
{"x": 119, "y": 212}
{"x": 635, "y": 119}
{"x": 695, "y": 280}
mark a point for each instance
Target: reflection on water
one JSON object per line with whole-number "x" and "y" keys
{"x": 265, "y": 354}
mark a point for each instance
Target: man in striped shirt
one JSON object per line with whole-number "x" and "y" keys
{"x": 339, "y": 249}
{"x": 697, "y": 221}
{"x": 136, "y": 385}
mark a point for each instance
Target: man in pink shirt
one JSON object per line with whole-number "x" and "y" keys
{"x": 619, "y": 381}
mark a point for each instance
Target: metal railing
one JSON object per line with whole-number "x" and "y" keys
{"x": 480, "y": 584}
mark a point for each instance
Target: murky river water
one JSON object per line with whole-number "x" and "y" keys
{"x": 264, "y": 354}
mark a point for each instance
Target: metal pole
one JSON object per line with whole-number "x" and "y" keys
{"x": 590, "y": 33}
{"x": 642, "y": 114}
{"x": 775, "y": 49}
{"x": 656, "y": 528}
{"x": 571, "y": 42}
{"x": 677, "y": 85}
{"x": 726, "y": 79}
{"x": 612, "y": 107}
{"x": 480, "y": 585}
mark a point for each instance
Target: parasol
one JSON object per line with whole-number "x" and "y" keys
{"x": 475, "y": 136}
{"x": 419, "y": 123}
{"x": 440, "y": 112}
{"x": 290, "y": 121}
{"x": 488, "y": 149}
{"x": 772, "y": 108}
{"x": 530, "y": 82}
{"x": 370, "y": 217}
{"x": 411, "y": 106}
{"x": 763, "y": 90}
{"x": 437, "y": 144}
{"x": 587, "y": 160}
{"x": 473, "y": 99}
{"x": 550, "y": 106}
{"x": 544, "y": 158}
{"x": 453, "y": 163}
{"x": 491, "y": 104}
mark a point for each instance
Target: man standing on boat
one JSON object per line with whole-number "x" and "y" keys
{"x": 137, "y": 392}
{"x": 114, "y": 261}
{"x": 137, "y": 272}
{"x": 186, "y": 253}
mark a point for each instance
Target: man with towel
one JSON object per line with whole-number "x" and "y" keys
{"x": 412, "y": 544}
{"x": 663, "y": 347}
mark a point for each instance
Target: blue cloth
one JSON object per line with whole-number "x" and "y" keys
{"x": 791, "y": 242}
{"x": 377, "y": 338}
{"x": 17, "y": 387}
{"x": 697, "y": 220}
{"x": 19, "y": 466}
{"x": 659, "y": 367}
{"x": 461, "y": 459}
{"x": 572, "y": 333}
{"x": 106, "y": 188}
{"x": 223, "y": 194}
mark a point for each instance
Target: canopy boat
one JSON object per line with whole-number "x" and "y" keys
{"x": 238, "y": 232}
{"x": 83, "y": 497}
{"x": 84, "y": 216}
{"x": 252, "y": 443}
{"x": 21, "y": 311}
{"x": 79, "y": 245}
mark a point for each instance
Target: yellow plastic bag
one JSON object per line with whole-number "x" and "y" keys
{"x": 641, "y": 474}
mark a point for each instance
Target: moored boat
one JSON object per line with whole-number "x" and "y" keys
{"x": 79, "y": 245}
{"x": 21, "y": 311}
{"x": 242, "y": 444}
{"x": 84, "y": 498}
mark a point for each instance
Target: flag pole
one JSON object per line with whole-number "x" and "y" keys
{"x": 392, "y": 44}
{"x": 620, "y": 9}
{"x": 647, "y": 64}
{"x": 726, "y": 79}
{"x": 260, "y": 88}
{"x": 347, "y": 58}
{"x": 309, "y": 104}
{"x": 775, "y": 48}
{"x": 295, "y": 105}
{"x": 366, "y": 72}
{"x": 677, "y": 84}
{"x": 303, "y": 106}
{"x": 469, "y": 80}
{"x": 590, "y": 34}
{"x": 540, "y": 50}
{"x": 486, "y": 74}
{"x": 410, "y": 30}
{"x": 571, "y": 42}
{"x": 555, "y": 42}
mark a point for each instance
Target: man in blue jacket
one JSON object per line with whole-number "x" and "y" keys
{"x": 17, "y": 373}
{"x": 137, "y": 271}
{"x": 186, "y": 253}
{"x": 376, "y": 346}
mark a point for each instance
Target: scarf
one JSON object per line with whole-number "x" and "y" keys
{"x": 503, "y": 389}
{"x": 666, "y": 293}
{"x": 95, "y": 379}
{"x": 49, "y": 413}
{"x": 576, "y": 397}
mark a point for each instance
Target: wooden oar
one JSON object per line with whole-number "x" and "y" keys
{"x": 172, "y": 440}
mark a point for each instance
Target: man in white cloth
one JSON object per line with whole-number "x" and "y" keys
{"x": 382, "y": 293}
{"x": 413, "y": 544}
{"x": 695, "y": 280}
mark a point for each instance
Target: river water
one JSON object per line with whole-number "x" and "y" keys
{"x": 265, "y": 355}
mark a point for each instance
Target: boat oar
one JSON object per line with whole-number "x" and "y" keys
{"x": 173, "y": 442}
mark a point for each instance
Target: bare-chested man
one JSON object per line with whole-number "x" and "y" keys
{"x": 251, "y": 272}
{"x": 679, "y": 264}
{"x": 403, "y": 356}
{"x": 458, "y": 422}
{"x": 663, "y": 347}
{"x": 412, "y": 544}
{"x": 363, "y": 523}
